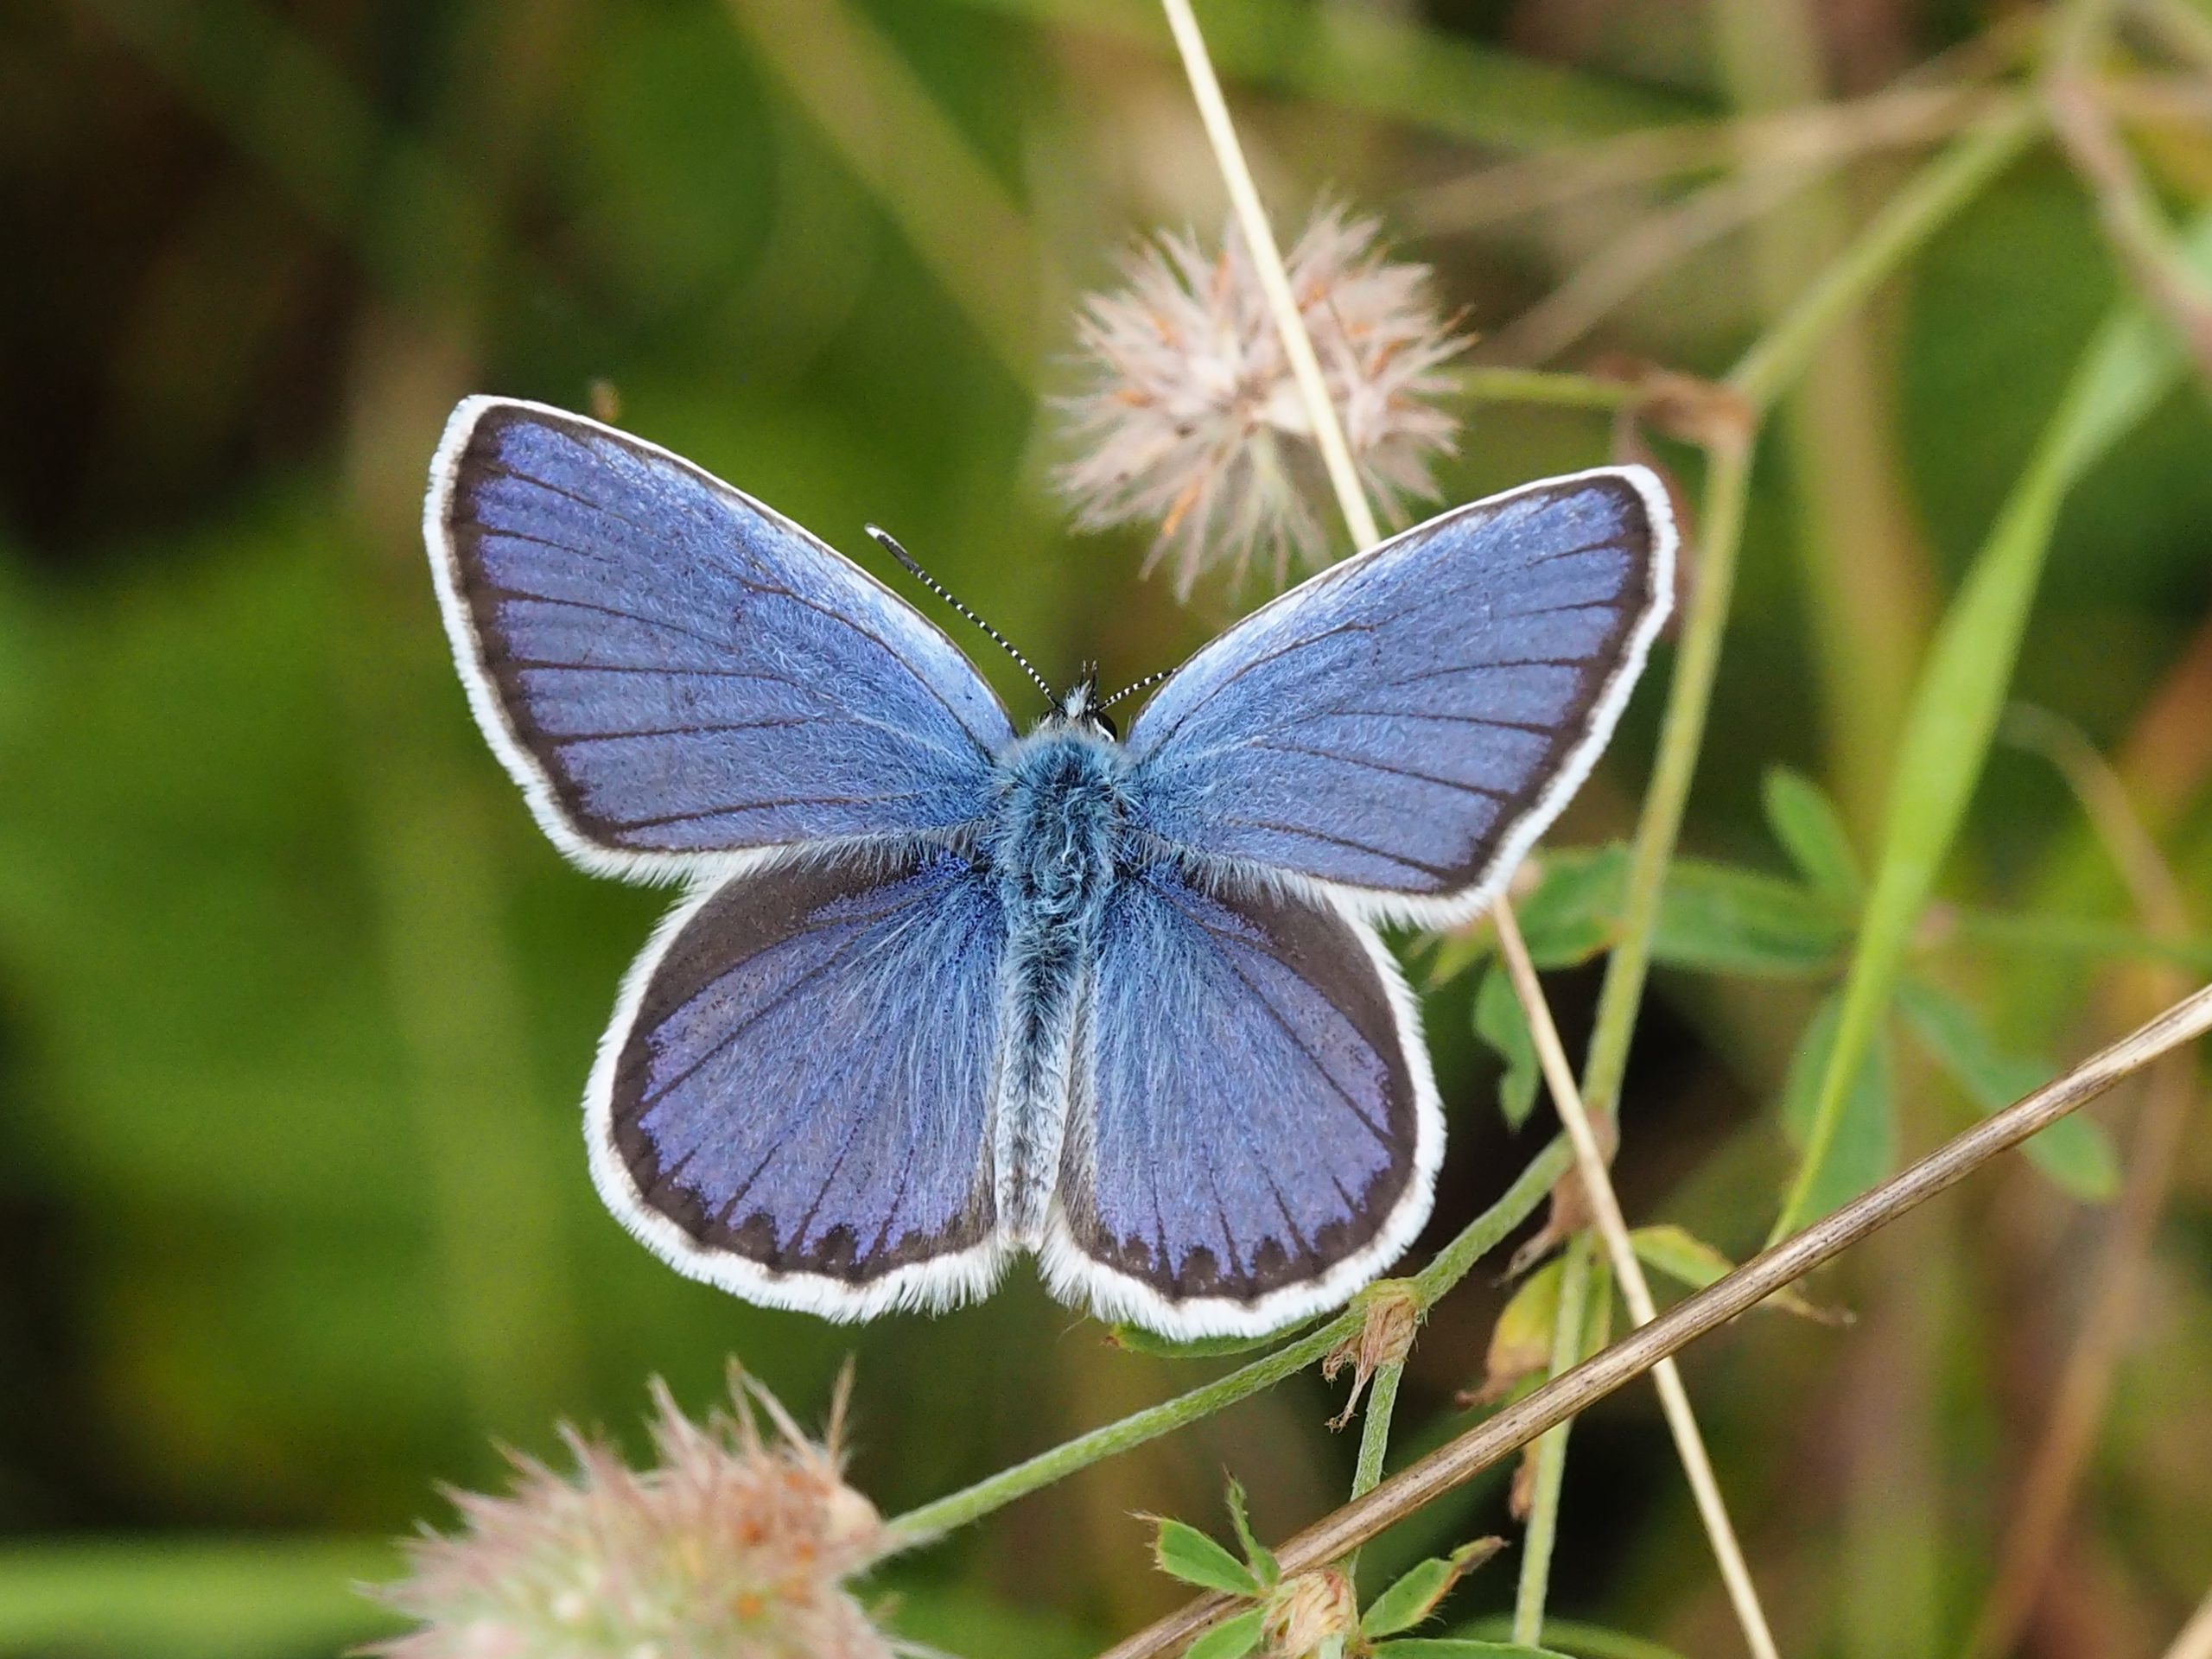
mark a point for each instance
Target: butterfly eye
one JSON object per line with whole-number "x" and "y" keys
{"x": 1105, "y": 724}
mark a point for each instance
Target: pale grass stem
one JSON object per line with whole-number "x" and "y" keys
{"x": 2195, "y": 1641}
{"x": 1635, "y": 1290}
{"x": 1328, "y": 432}
{"x": 1274, "y": 278}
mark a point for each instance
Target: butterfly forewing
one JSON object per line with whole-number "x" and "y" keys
{"x": 1403, "y": 726}
{"x": 671, "y": 670}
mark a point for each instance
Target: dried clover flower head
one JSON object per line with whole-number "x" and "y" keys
{"x": 734, "y": 1545}
{"x": 1190, "y": 418}
{"x": 1304, "y": 1612}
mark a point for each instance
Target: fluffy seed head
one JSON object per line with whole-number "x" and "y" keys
{"x": 734, "y": 1545}
{"x": 1190, "y": 419}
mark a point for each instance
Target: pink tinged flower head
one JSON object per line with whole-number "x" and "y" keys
{"x": 735, "y": 1544}
{"x": 1190, "y": 419}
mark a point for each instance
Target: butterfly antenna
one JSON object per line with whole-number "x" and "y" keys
{"x": 1144, "y": 685}
{"x": 889, "y": 543}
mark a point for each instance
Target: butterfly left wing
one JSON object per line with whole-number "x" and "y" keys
{"x": 1252, "y": 1130}
{"x": 673, "y": 672}
{"x": 796, "y": 1099}
{"x": 1401, "y": 728}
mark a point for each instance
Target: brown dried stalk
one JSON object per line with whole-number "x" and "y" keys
{"x": 1498, "y": 1437}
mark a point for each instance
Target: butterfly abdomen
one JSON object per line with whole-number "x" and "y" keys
{"x": 1060, "y": 827}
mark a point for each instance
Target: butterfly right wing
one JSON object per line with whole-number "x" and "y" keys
{"x": 796, "y": 1099}
{"x": 674, "y": 673}
{"x": 1401, "y": 727}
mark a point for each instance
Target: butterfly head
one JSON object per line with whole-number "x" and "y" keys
{"x": 1079, "y": 707}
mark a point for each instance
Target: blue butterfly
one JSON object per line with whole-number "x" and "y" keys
{"x": 938, "y": 992}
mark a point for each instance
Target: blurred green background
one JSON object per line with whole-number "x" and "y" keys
{"x": 296, "y": 1003}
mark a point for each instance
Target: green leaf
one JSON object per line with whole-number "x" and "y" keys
{"x": 1713, "y": 917}
{"x": 1805, "y": 821}
{"x": 1689, "y": 1261}
{"x": 1500, "y": 1022}
{"x": 1256, "y": 1554}
{"x": 1575, "y": 910}
{"x": 1458, "y": 1647}
{"x": 1408, "y": 1601}
{"x": 2129, "y": 366}
{"x": 1183, "y": 1552}
{"x": 2075, "y": 1152}
{"x": 1138, "y": 1340}
{"x": 1521, "y": 1342}
{"x": 192, "y": 1597}
{"x": 1230, "y": 1639}
{"x": 1862, "y": 1149}
{"x": 1415, "y": 1597}
{"x": 1722, "y": 918}
{"x": 1455, "y": 952}
{"x": 1589, "y": 1641}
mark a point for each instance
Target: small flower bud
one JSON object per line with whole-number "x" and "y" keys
{"x": 1305, "y": 1612}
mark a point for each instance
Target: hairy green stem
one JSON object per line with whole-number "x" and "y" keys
{"x": 1476, "y": 1239}
{"x": 1488, "y": 1230}
{"x": 1542, "y": 1532}
{"x": 1374, "y": 1428}
{"x": 958, "y": 1508}
{"x": 1374, "y": 1442}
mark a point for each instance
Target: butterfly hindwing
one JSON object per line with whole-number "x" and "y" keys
{"x": 672, "y": 670}
{"x": 796, "y": 1099}
{"x": 1403, "y": 726}
{"x": 1252, "y": 1130}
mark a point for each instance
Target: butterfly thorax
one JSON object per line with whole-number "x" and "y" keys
{"x": 1060, "y": 828}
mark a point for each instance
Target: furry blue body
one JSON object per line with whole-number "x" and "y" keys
{"x": 1059, "y": 836}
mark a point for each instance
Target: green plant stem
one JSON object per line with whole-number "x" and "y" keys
{"x": 1374, "y": 1442}
{"x": 1543, "y": 1531}
{"x": 1727, "y": 488}
{"x": 1374, "y": 1428}
{"x": 1510, "y": 385}
{"x": 1488, "y": 1230}
{"x": 1923, "y": 205}
{"x": 1766, "y": 370}
{"x": 1481, "y": 1236}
